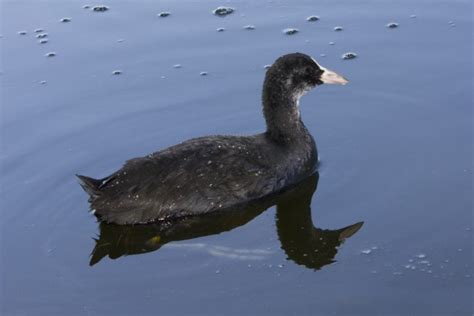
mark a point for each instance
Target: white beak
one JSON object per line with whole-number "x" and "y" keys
{"x": 330, "y": 77}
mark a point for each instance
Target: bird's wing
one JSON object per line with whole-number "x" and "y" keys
{"x": 193, "y": 177}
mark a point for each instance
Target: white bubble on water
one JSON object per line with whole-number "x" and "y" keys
{"x": 223, "y": 11}
{"x": 349, "y": 55}
{"x": 99, "y": 8}
{"x": 312, "y": 18}
{"x": 392, "y": 25}
{"x": 290, "y": 31}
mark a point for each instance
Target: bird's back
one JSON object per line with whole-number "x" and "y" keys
{"x": 198, "y": 176}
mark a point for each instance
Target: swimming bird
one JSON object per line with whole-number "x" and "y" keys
{"x": 215, "y": 173}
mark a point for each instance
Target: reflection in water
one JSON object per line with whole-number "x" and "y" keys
{"x": 302, "y": 242}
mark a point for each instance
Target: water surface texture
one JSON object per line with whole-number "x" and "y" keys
{"x": 395, "y": 146}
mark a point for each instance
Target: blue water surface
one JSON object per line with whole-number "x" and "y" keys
{"x": 395, "y": 146}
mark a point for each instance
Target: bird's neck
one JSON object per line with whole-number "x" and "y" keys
{"x": 282, "y": 113}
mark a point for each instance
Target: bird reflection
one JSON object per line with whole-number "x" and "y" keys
{"x": 302, "y": 242}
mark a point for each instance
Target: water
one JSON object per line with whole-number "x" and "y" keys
{"x": 395, "y": 145}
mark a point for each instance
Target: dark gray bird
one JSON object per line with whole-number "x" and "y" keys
{"x": 214, "y": 173}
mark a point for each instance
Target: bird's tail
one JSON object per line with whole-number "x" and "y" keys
{"x": 90, "y": 185}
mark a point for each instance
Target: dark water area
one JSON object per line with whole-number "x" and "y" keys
{"x": 395, "y": 144}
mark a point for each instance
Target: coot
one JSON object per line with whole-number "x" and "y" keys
{"x": 213, "y": 173}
